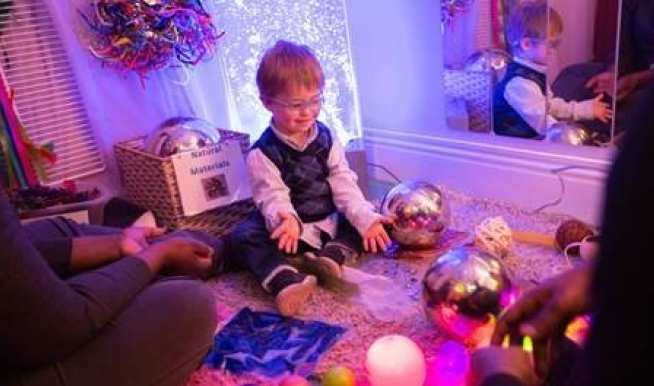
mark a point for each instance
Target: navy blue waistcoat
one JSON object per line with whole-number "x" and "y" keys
{"x": 304, "y": 172}
{"x": 506, "y": 120}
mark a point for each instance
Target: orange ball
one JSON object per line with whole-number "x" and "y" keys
{"x": 294, "y": 380}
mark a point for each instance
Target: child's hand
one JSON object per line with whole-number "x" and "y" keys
{"x": 602, "y": 110}
{"x": 287, "y": 233}
{"x": 376, "y": 239}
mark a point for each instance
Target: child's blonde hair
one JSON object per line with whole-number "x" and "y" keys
{"x": 285, "y": 65}
{"x": 529, "y": 21}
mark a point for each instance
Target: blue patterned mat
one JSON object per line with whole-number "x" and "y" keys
{"x": 270, "y": 344}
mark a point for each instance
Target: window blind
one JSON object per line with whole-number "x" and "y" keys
{"x": 48, "y": 102}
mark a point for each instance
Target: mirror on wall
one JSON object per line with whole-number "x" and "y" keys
{"x": 635, "y": 65}
{"x": 533, "y": 69}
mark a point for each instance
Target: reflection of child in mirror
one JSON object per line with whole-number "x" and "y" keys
{"x": 523, "y": 102}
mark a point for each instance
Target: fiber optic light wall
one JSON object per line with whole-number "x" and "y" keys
{"x": 253, "y": 25}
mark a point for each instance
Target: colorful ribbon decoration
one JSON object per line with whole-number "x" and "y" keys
{"x": 23, "y": 158}
{"x": 148, "y": 35}
{"x": 450, "y": 8}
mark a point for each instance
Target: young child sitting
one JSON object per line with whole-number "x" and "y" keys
{"x": 306, "y": 194}
{"x": 523, "y": 103}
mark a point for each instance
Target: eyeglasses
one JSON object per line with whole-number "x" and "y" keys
{"x": 553, "y": 43}
{"x": 549, "y": 43}
{"x": 311, "y": 104}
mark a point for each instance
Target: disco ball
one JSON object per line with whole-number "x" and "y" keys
{"x": 490, "y": 60}
{"x": 463, "y": 289}
{"x": 421, "y": 214}
{"x": 568, "y": 133}
{"x": 179, "y": 135}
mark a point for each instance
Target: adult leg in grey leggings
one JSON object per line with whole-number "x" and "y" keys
{"x": 159, "y": 339}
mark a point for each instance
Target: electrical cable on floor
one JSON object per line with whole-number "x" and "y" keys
{"x": 382, "y": 167}
{"x": 559, "y": 199}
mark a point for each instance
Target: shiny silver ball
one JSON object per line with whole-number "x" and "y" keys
{"x": 462, "y": 289}
{"x": 490, "y": 60}
{"x": 421, "y": 214}
{"x": 181, "y": 134}
{"x": 466, "y": 279}
{"x": 568, "y": 133}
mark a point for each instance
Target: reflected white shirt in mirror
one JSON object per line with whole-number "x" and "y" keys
{"x": 526, "y": 97}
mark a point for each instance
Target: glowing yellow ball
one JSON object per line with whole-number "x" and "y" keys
{"x": 339, "y": 376}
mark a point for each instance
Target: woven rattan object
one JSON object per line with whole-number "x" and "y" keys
{"x": 149, "y": 181}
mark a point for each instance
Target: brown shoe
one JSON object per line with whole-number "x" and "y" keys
{"x": 326, "y": 263}
{"x": 292, "y": 297}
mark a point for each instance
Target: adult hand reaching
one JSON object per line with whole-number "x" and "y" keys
{"x": 547, "y": 308}
{"x": 543, "y": 312}
{"x": 491, "y": 361}
{"x": 602, "y": 83}
{"x": 627, "y": 84}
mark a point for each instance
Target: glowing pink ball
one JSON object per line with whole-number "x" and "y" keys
{"x": 395, "y": 360}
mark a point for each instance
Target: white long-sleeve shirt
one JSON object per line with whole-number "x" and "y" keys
{"x": 272, "y": 196}
{"x": 526, "y": 98}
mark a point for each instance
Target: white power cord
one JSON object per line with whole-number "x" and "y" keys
{"x": 558, "y": 172}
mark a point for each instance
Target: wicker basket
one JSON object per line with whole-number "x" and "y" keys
{"x": 475, "y": 88}
{"x": 150, "y": 182}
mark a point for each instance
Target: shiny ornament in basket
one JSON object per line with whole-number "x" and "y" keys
{"x": 181, "y": 134}
{"x": 420, "y": 211}
{"x": 489, "y": 60}
{"x": 151, "y": 182}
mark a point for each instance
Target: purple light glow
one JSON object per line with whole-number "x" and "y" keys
{"x": 509, "y": 297}
{"x": 469, "y": 331}
{"x": 449, "y": 367}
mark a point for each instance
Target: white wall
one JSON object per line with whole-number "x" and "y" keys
{"x": 578, "y": 33}
{"x": 398, "y": 58}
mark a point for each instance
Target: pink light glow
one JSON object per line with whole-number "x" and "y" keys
{"x": 469, "y": 331}
{"x": 509, "y": 297}
{"x": 579, "y": 329}
{"x": 449, "y": 367}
